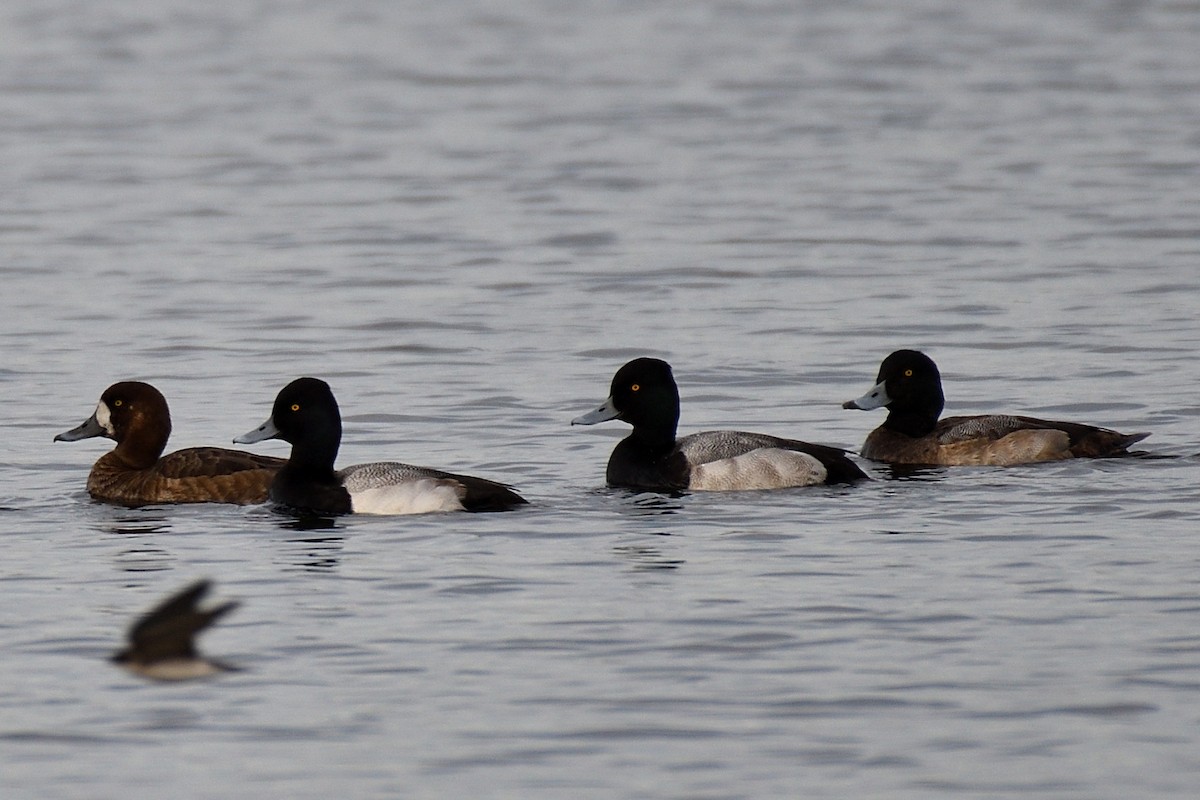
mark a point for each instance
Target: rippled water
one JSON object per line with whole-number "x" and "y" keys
{"x": 466, "y": 217}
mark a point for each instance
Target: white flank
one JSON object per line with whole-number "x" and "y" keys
{"x": 421, "y": 496}
{"x": 765, "y": 468}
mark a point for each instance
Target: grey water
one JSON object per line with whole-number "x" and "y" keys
{"x": 465, "y": 216}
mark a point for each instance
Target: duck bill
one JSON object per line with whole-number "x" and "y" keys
{"x": 90, "y": 428}
{"x": 602, "y": 414}
{"x": 260, "y": 434}
{"x": 877, "y": 397}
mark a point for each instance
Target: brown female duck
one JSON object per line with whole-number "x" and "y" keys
{"x": 135, "y": 472}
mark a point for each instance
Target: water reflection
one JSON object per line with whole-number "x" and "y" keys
{"x": 144, "y": 559}
{"x": 640, "y": 504}
{"x": 910, "y": 472}
{"x": 653, "y": 503}
{"x": 307, "y": 522}
{"x": 170, "y": 718}
{"x": 645, "y": 557}
{"x": 135, "y": 523}
{"x": 315, "y": 554}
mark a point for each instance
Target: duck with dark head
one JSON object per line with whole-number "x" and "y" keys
{"x": 306, "y": 415}
{"x": 644, "y": 394}
{"x": 909, "y": 386}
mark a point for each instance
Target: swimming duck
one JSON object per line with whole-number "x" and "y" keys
{"x": 135, "y": 472}
{"x": 306, "y": 415}
{"x": 910, "y": 387}
{"x": 644, "y": 394}
{"x": 162, "y": 643}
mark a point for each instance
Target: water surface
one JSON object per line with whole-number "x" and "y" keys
{"x": 465, "y": 218}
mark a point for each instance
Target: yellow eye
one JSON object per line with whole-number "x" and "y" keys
{"x": 295, "y": 406}
{"x": 634, "y": 388}
{"x": 118, "y": 403}
{"x": 908, "y": 373}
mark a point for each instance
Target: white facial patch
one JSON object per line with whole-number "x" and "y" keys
{"x": 104, "y": 418}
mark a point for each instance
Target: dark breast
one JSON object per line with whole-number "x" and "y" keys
{"x": 634, "y": 468}
{"x": 309, "y": 497}
{"x": 896, "y": 448}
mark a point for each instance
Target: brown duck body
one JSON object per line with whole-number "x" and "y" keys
{"x": 996, "y": 440}
{"x": 136, "y": 417}
{"x": 194, "y": 475}
{"x": 910, "y": 387}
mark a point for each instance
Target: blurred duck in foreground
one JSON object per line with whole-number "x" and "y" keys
{"x": 162, "y": 644}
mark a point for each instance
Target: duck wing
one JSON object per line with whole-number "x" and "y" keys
{"x": 1085, "y": 440}
{"x": 169, "y": 629}
{"x": 953, "y": 430}
{"x": 201, "y": 462}
{"x": 709, "y": 446}
{"x": 475, "y": 494}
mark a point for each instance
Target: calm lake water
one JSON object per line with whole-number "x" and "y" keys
{"x": 465, "y": 216}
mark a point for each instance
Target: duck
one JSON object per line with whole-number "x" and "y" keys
{"x": 644, "y": 394}
{"x": 135, "y": 415}
{"x": 306, "y": 415}
{"x": 162, "y": 643}
{"x": 909, "y": 386}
